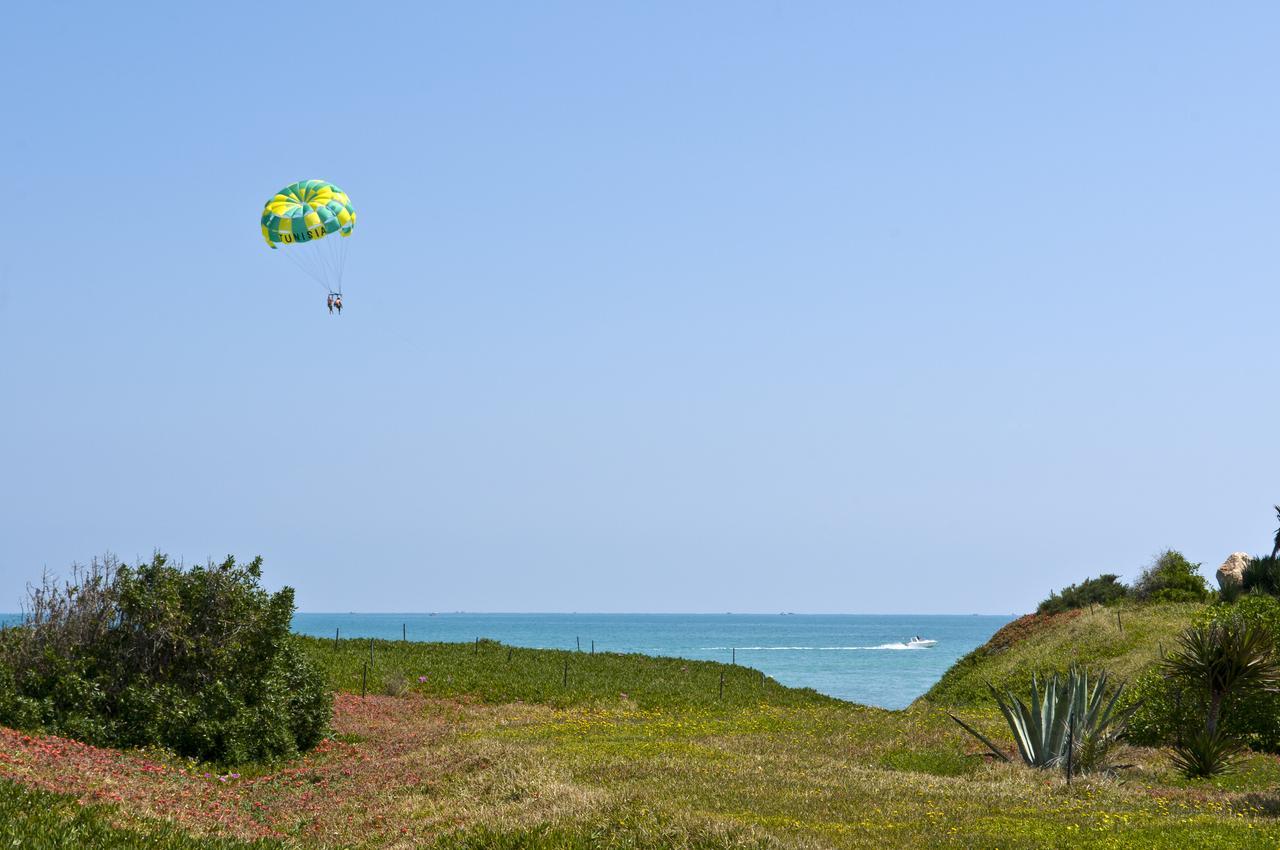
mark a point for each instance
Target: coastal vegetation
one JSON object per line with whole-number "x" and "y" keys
{"x": 1170, "y": 577}
{"x": 1103, "y": 590}
{"x": 1125, "y": 640}
{"x": 1070, "y": 724}
{"x": 441, "y": 766}
{"x": 481, "y": 745}
{"x": 1262, "y": 575}
{"x": 1174, "y": 707}
{"x": 198, "y": 661}
{"x": 1219, "y": 660}
{"x": 1216, "y": 695}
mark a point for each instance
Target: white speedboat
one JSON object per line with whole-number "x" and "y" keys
{"x": 921, "y": 643}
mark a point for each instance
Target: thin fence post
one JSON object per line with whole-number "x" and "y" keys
{"x": 508, "y": 655}
{"x": 477, "y": 646}
{"x": 721, "y": 684}
{"x": 578, "y": 640}
{"x": 370, "y": 652}
{"x": 335, "y": 638}
{"x": 1119, "y": 624}
{"x": 1071, "y": 745}
{"x": 593, "y": 647}
{"x": 404, "y": 632}
{"x": 734, "y": 660}
{"x": 364, "y": 680}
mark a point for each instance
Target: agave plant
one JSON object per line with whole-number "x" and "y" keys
{"x": 1068, "y": 717}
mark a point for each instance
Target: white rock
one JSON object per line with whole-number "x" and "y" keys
{"x": 1232, "y": 570}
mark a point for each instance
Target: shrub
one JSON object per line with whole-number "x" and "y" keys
{"x": 1224, "y": 658}
{"x": 1172, "y": 708}
{"x": 1262, "y": 575}
{"x": 1102, "y": 590}
{"x": 1171, "y": 578}
{"x": 1220, "y": 660}
{"x": 395, "y": 684}
{"x": 1230, "y": 592}
{"x": 200, "y": 661}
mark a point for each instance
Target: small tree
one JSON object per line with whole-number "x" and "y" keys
{"x": 1171, "y": 578}
{"x": 1220, "y": 660}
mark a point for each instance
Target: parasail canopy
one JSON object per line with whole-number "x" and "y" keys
{"x": 311, "y": 220}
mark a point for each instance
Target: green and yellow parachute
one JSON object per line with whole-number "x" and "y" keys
{"x": 311, "y": 220}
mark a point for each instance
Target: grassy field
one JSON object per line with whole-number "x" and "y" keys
{"x": 494, "y": 749}
{"x": 496, "y": 673}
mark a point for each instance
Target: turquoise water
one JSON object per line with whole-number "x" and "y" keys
{"x": 857, "y": 657}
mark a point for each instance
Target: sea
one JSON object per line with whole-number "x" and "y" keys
{"x": 861, "y": 658}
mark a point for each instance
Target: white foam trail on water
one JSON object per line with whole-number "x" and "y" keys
{"x": 889, "y": 646}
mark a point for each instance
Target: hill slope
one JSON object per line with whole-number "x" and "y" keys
{"x": 1043, "y": 644}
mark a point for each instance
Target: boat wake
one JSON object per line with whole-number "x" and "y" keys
{"x": 882, "y": 646}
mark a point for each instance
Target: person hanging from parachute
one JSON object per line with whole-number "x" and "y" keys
{"x": 311, "y": 220}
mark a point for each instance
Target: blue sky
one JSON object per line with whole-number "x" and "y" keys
{"x": 834, "y": 307}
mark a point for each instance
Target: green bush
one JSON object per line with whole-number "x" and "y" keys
{"x": 1262, "y": 575}
{"x": 200, "y": 661}
{"x": 1102, "y": 590}
{"x": 1170, "y": 710}
{"x": 1171, "y": 578}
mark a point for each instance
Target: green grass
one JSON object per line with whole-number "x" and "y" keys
{"x": 637, "y": 752}
{"x": 495, "y": 673}
{"x": 824, "y": 776}
{"x": 31, "y": 819}
{"x": 1050, "y": 644}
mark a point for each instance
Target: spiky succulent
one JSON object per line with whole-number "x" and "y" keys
{"x": 1070, "y": 713}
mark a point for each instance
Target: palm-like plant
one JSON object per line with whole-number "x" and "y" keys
{"x": 1223, "y": 658}
{"x": 1276, "y": 549}
{"x": 1068, "y": 716}
{"x": 1206, "y": 754}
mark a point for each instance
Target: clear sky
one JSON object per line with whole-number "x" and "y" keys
{"x": 847, "y": 307}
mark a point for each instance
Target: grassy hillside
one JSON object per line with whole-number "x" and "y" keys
{"x": 1043, "y": 644}
{"x": 494, "y": 750}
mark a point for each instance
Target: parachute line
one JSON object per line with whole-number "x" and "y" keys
{"x": 310, "y": 221}
{"x": 322, "y": 260}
